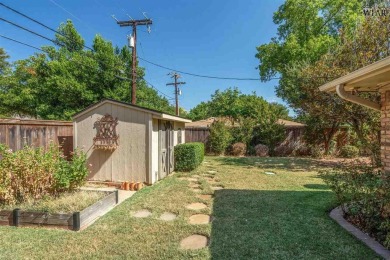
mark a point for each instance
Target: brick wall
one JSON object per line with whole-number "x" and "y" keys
{"x": 385, "y": 130}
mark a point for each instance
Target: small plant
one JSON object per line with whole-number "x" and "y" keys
{"x": 363, "y": 192}
{"x": 261, "y": 150}
{"x": 349, "y": 151}
{"x": 239, "y": 149}
{"x": 219, "y": 138}
{"x": 316, "y": 151}
{"x": 188, "y": 156}
{"x": 33, "y": 173}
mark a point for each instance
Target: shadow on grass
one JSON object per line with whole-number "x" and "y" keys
{"x": 316, "y": 186}
{"x": 277, "y": 163}
{"x": 279, "y": 225}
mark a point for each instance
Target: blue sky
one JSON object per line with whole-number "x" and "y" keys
{"x": 217, "y": 38}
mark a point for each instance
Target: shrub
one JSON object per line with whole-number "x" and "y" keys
{"x": 188, "y": 156}
{"x": 261, "y": 150}
{"x": 283, "y": 150}
{"x": 302, "y": 150}
{"x": 219, "y": 138}
{"x": 32, "y": 173}
{"x": 363, "y": 193}
{"x": 239, "y": 149}
{"x": 349, "y": 151}
{"x": 269, "y": 132}
{"x": 316, "y": 151}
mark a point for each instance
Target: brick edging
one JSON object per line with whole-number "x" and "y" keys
{"x": 337, "y": 215}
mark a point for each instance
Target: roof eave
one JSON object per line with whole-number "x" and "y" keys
{"x": 370, "y": 70}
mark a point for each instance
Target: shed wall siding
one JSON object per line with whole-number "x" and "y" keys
{"x": 129, "y": 161}
{"x": 155, "y": 151}
{"x": 177, "y": 126}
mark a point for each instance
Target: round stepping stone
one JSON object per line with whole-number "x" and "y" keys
{"x": 199, "y": 219}
{"x": 192, "y": 179}
{"x": 168, "y": 216}
{"x": 205, "y": 196}
{"x": 194, "y": 242}
{"x": 211, "y": 171}
{"x": 195, "y": 176}
{"x": 196, "y": 190}
{"x": 196, "y": 206}
{"x": 143, "y": 213}
{"x": 217, "y": 188}
{"x": 193, "y": 185}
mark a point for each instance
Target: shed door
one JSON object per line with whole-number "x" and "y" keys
{"x": 166, "y": 148}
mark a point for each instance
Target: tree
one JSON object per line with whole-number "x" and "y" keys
{"x": 306, "y": 31}
{"x": 67, "y": 78}
{"x": 4, "y": 64}
{"x": 233, "y": 105}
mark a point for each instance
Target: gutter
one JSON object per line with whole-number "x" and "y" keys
{"x": 355, "y": 99}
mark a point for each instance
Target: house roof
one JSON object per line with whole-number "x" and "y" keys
{"x": 156, "y": 113}
{"x": 373, "y": 77}
{"x": 288, "y": 123}
{"x": 205, "y": 123}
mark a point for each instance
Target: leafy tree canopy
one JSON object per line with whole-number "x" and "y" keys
{"x": 233, "y": 104}
{"x": 3, "y": 61}
{"x": 67, "y": 78}
{"x": 306, "y": 31}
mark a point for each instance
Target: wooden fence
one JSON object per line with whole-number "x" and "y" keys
{"x": 201, "y": 134}
{"x": 17, "y": 133}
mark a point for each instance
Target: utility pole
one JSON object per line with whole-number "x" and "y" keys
{"x": 176, "y": 76}
{"x": 133, "y": 42}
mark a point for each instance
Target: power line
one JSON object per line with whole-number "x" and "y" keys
{"x": 25, "y": 29}
{"x": 198, "y": 75}
{"x": 147, "y": 61}
{"x": 22, "y": 43}
{"x": 63, "y": 8}
{"x": 38, "y": 22}
{"x": 39, "y": 49}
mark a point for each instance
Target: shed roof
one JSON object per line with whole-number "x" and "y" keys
{"x": 156, "y": 114}
{"x": 373, "y": 77}
{"x": 205, "y": 123}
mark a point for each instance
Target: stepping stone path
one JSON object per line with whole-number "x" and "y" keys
{"x": 217, "y": 188}
{"x": 200, "y": 219}
{"x": 205, "y": 196}
{"x": 196, "y": 190}
{"x": 168, "y": 216}
{"x": 193, "y": 185}
{"x": 196, "y": 206}
{"x": 194, "y": 242}
{"x": 143, "y": 213}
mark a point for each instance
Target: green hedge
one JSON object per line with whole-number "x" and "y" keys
{"x": 188, "y": 156}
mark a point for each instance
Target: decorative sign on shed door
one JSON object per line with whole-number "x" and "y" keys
{"x": 106, "y": 137}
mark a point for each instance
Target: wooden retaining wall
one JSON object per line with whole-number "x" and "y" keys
{"x": 17, "y": 133}
{"x": 76, "y": 221}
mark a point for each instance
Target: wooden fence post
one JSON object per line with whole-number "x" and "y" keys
{"x": 15, "y": 217}
{"x": 76, "y": 221}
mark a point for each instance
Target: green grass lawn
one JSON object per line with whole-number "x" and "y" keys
{"x": 257, "y": 216}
